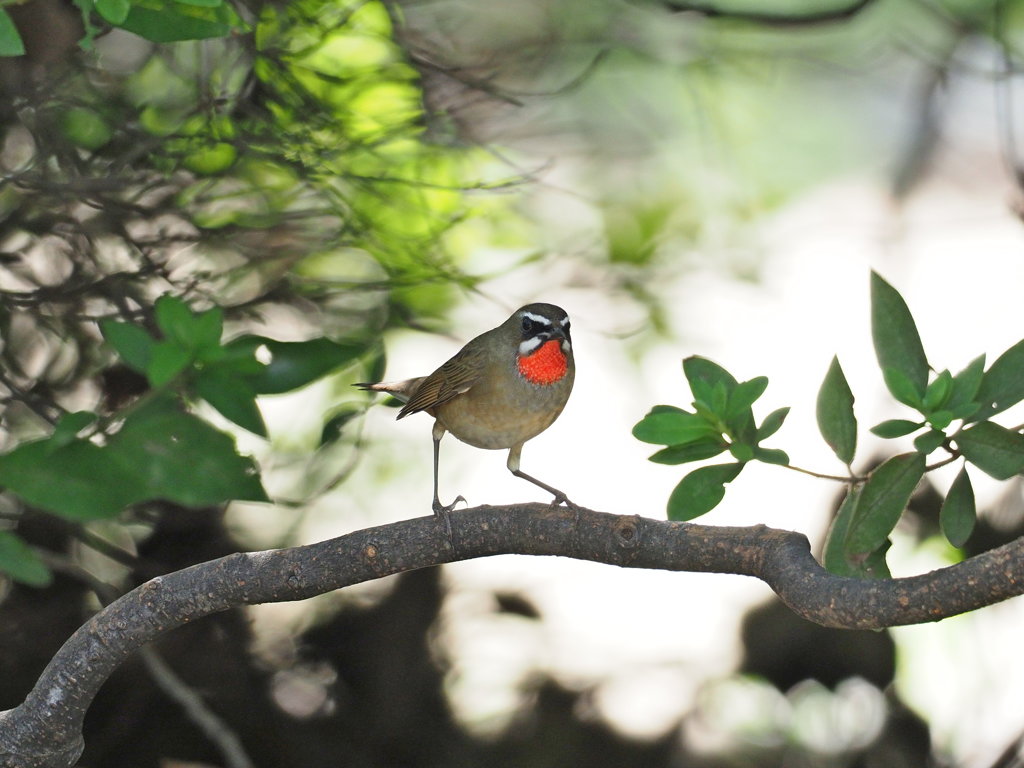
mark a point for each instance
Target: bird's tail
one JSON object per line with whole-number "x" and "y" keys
{"x": 400, "y": 390}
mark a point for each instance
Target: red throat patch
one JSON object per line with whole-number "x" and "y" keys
{"x": 545, "y": 366}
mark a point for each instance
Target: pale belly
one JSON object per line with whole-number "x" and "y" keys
{"x": 486, "y": 420}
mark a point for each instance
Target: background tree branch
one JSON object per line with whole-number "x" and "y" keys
{"x": 45, "y": 731}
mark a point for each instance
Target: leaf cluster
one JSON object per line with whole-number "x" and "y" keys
{"x": 92, "y": 467}
{"x": 722, "y": 420}
{"x": 953, "y": 414}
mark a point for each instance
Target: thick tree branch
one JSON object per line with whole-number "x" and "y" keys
{"x": 45, "y": 731}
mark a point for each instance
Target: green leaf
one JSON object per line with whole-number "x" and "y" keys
{"x": 19, "y": 562}
{"x": 10, "y": 40}
{"x": 834, "y": 554}
{"x": 771, "y": 424}
{"x": 940, "y": 419}
{"x": 114, "y": 11}
{"x": 901, "y": 388}
{"x": 884, "y": 497}
{"x": 175, "y": 320}
{"x": 701, "y": 491}
{"x": 896, "y": 340}
{"x": 233, "y": 398}
{"x": 993, "y": 449}
{"x": 928, "y": 441}
{"x": 173, "y": 22}
{"x": 958, "y": 514}
{"x": 682, "y": 454}
{"x": 741, "y": 451}
{"x": 182, "y": 459}
{"x": 966, "y": 384}
{"x": 166, "y": 362}
{"x": 159, "y": 453}
{"x": 719, "y": 399}
{"x": 965, "y": 411}
{"x": 90, "y": 486}
{"x": 131, "y": 342}
{"x": 207, "y": 329}
{"x": 704, "y": 376}
{"x": 892, "y": 428}
{"x": 745, "y": 395}
{"x": 663, "y": 426}
{"x": 836, "y": 420}
{"x": 938, "y": 392}
{"x": 771, "y": 456}
{"x": 1003, "y": 383}
{"x": 69, "y": 426}
{"x": 874, "y": 565}
{"x": 294, "y": 364}
{"x": 739, "y": 417}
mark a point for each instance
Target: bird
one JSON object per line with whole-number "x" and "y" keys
{"x": 504, "y": 387}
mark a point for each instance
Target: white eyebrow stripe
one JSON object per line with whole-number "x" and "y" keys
{"x": 537, "y": 318}
{"x": 564, "y": 320}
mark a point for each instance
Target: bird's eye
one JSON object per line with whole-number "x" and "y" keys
{"x": 527, "y": 325}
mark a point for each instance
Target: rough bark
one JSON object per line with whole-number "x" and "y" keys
{"x": 45, "y": 730}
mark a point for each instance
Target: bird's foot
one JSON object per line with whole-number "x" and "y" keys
{"x": 561, "y": 498}
{"x": 444, "y": 513}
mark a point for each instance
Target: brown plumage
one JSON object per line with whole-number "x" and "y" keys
{"x": 503, "y": 388}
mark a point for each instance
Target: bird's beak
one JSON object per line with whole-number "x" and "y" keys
{"x": 558, "y": 333}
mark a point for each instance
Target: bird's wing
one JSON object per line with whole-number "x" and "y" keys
{"x": 453, "y": 378}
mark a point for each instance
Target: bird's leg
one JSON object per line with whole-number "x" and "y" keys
{"x": 442, "y": 511}
{"x": 513, "y": 467}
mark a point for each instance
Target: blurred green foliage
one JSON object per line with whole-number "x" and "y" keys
{"x": 204, "y": 224}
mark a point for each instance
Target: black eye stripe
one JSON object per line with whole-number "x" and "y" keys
{"x": 533, "y": 327}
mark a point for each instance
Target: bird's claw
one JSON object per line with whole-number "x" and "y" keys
{"x": 444, "y": 513}
{"x": 561, "y": 498}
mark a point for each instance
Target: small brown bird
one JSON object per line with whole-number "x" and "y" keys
{"x": 504, "y": 387}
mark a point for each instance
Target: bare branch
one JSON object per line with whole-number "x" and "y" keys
{"x": 45, "y": 731}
